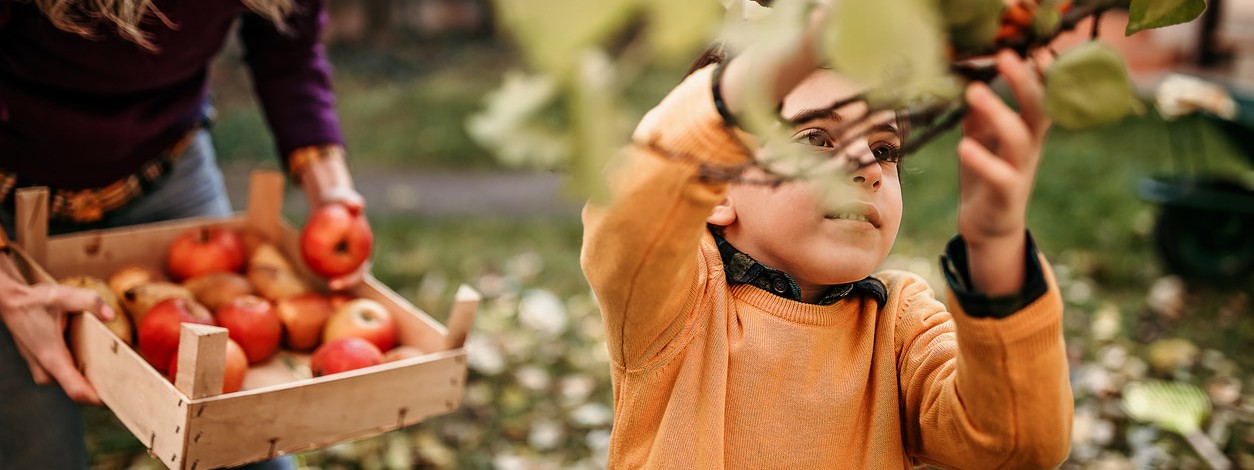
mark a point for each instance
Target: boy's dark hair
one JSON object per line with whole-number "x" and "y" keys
{"x": 712, "y": 55}
{"x": 717, "y": 52}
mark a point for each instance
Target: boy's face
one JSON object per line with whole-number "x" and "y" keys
{"x": 787, "y": 228}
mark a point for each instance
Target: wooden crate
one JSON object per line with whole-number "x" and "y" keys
{"x": 190, "y": 424}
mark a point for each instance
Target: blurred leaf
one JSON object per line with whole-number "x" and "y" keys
{"x": 1175, "y": 406}
{"x": 972, "y": 24}
{"x": 1088, "y": 86}
{"x": 1046, "y": 21}
{"x": 553, "y": 33}
{"x": 895, "y": 47}
{"x": 678, "y": 30}
{"x": 1150, "y": 14}
{"x": 510, "y": 123}
{"x": 600, "y": 126}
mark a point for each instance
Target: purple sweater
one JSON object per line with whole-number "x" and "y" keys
{"x": 78, "y": 112}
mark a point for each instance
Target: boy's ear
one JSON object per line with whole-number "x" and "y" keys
{"x": 723, "y": 215}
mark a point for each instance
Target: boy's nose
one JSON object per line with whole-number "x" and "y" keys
{"x": 865, "y": 168}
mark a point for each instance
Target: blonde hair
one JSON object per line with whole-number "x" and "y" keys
{"x": 82, "y": 16}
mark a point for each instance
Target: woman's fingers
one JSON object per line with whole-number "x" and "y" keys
{"x": 56, "y": 360}
{"x": 70, "y": 299}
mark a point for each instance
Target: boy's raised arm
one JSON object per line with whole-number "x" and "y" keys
{"x": 640, "y": 249}
{"x": 991, "y": 389}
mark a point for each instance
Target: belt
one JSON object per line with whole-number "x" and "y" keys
{"x": 90, "y": 204}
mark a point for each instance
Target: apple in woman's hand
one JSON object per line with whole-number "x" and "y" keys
{"x": 336, "y": 240}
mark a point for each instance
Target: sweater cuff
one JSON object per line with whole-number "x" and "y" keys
{"x": 955, "y": 265}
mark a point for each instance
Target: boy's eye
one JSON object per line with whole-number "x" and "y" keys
{"x": 886, "y": 152}
{"x": 815, "y": 138}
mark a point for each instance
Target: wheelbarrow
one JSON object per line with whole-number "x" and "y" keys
{"x": 1205, "y": 225}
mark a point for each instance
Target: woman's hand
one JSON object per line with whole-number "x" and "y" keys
{"x": 327, "y": 181}
{"x": 998, "y": 157}
{"x": 35, "y": 317}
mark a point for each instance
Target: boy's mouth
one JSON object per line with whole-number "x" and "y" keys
{"x": 856, "y": 211}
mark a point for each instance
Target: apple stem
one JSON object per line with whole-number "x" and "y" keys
{"x": 341, "y": 246}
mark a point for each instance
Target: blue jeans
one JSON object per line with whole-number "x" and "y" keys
{"x": 40, "y": 427}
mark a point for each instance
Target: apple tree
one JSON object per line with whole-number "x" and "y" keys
{"x": 915, "y": 56}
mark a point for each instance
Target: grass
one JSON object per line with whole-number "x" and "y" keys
{"x": 397, "y": 109}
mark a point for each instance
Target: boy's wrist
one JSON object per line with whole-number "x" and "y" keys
{"x": 956, "y": 266}
{"x": 996, "y": 263}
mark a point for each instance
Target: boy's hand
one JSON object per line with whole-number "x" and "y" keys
{"x": 998, "y": 156}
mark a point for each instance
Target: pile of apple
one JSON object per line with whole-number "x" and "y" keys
{"x": 237, "y": 280}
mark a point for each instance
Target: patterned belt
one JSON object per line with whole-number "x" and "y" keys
{"x": 91, "y": 204}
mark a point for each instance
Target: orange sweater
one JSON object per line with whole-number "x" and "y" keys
{"x": 712, "y": 375}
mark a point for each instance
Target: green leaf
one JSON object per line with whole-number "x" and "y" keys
{"x": 896, "y": 47}
{"x": 511, "y": 123}
{"x": 552, "y": 33}
{"x": 972, "y": 24}
{"x": 678, "y": 30}
{"x": 1088, "y": 86}
{"x": 1150, "y": 14}
{"x": 1175, "y": 406}
{"x": 1046, "y": 22}
{"x": 599, "y": 124}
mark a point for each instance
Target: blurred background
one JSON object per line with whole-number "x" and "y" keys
{"x": 1152, "y": 273}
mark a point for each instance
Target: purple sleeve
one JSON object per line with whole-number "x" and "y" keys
{"x": 292, "y": 77}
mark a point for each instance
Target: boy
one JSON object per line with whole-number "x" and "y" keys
{"x": 765, "y": 343}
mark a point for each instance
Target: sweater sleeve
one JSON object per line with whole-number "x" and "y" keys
{"x": 983, "y": 392}
{"x": 640, "y": 250}
{"x": 292, "y": 77}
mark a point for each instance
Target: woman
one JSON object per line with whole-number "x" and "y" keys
{"x": 106, "y": 103}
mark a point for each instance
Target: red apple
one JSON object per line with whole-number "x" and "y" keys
{"x": 365, "y": 319}
{"x": 236, "y": 367}
{"x": 204, "y": 250}
{"x": 159, "y": 330}
{"x": 303, "y": 318}
{"x": 336, "y": 240}
{"x": 342, "y": 355}
{"x": 253, "y": 323}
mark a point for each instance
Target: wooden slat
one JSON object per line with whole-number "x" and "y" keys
{"x": 202, "y": 360}
{"x": 265, "y": 202}
{"x": 243, "y": 427}
{"x": 146, "y": 403}
{"x": 414, "y": 327}
{"x": 465, "y": 303}
{"x": 32, "y": 222}
{"x": 101, "y": 252}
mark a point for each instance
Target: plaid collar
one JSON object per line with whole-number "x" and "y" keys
{"x": 742, "y": 269}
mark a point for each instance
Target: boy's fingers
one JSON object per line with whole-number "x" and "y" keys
{"x": 1027, "y": 89}
{"x": 994, "y": 124}
{"x": 975, "y": 158}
